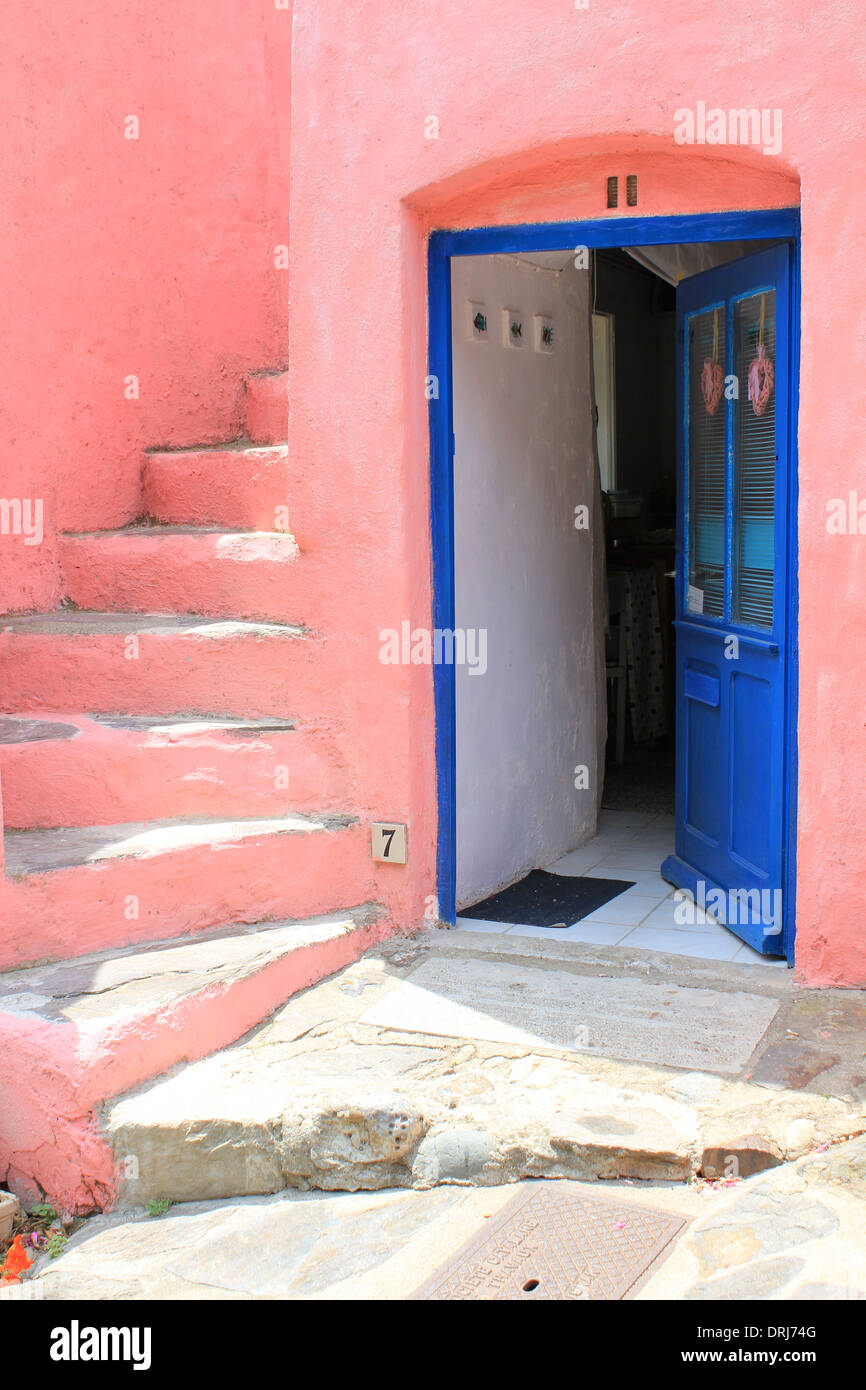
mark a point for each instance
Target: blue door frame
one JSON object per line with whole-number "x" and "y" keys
{"x": 783, "y": 223}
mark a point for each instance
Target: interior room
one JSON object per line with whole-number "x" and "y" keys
{"x": 565, "y": 525}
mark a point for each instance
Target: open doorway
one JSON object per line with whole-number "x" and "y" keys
{"x": 634, "y": 375}
{"x": 586, "y": 556}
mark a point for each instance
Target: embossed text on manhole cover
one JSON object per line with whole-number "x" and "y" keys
{"x": 554, "y": 1242}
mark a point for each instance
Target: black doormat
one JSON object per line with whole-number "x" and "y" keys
{"x": 544, "y": 899}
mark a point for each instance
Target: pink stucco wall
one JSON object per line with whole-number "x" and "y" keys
{"x": 536, "y": 105}
{"x": 151, "y": 258}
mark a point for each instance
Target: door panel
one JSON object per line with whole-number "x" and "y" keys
{"x": 704, "y": 802}
{"x": 733, "y": 327}
{"x": 751, "y": 771}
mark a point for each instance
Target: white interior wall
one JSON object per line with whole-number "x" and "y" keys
{"x": 524, "y": 459}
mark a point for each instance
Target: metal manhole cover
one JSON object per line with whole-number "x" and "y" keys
{"x": 551, "y": 1242}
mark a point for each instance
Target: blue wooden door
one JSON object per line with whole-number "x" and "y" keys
{"x": 733, "y": 336}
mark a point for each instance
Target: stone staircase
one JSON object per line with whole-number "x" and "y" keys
{"x": 178, "y": 855}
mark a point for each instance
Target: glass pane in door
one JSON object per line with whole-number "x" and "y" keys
{"x": 754, "y": 459}
{"x": 706, "y": 464}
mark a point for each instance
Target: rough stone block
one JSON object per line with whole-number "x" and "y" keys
{"x": 741, "y": 1158}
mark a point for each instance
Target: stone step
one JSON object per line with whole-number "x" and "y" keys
{"x": 235, "y": 485}
{"x": 45, "y": 851}
{"x": 75, "y": 1033}
{"x": 289, "y": 1106}
{"x": 156, "y": 663}
{"x": 267, "y": 406}
{"x": 68, "y": 892}
{"x": 172, "y": 569}
{"x": 74, "y": 769}
{"x": 441, "y": 1061}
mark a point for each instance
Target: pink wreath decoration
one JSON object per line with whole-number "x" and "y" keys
{"x": 712, "y": 385}
{"x": 761, "y": 379}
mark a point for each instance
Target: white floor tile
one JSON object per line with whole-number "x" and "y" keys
{"x": 669, "y": 914}
{"x": 623, "y": 910}
{"x": 646, "y": 883}
{"x": 662, "y": 844}
{"x": 608, "y": 820}
{"x": 718, "y": 945}
{"x": 609, "y": 840}
{"x": 746, "y": 956}
{"x": 630, "y": 857}
{"x": 578, "y": 861}
{"x": 593, "y": 933}
{"x": 477, "y": 924}
{"x": 650, "y": 891}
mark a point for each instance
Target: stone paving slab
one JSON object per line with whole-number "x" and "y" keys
{"x": 817, "y": 1041}
{"x": 297, "y": 1245}
{"x": 632, "y": 1019}
{"x": 313, "y": 1245}
{"x": 796, "y": 1233}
